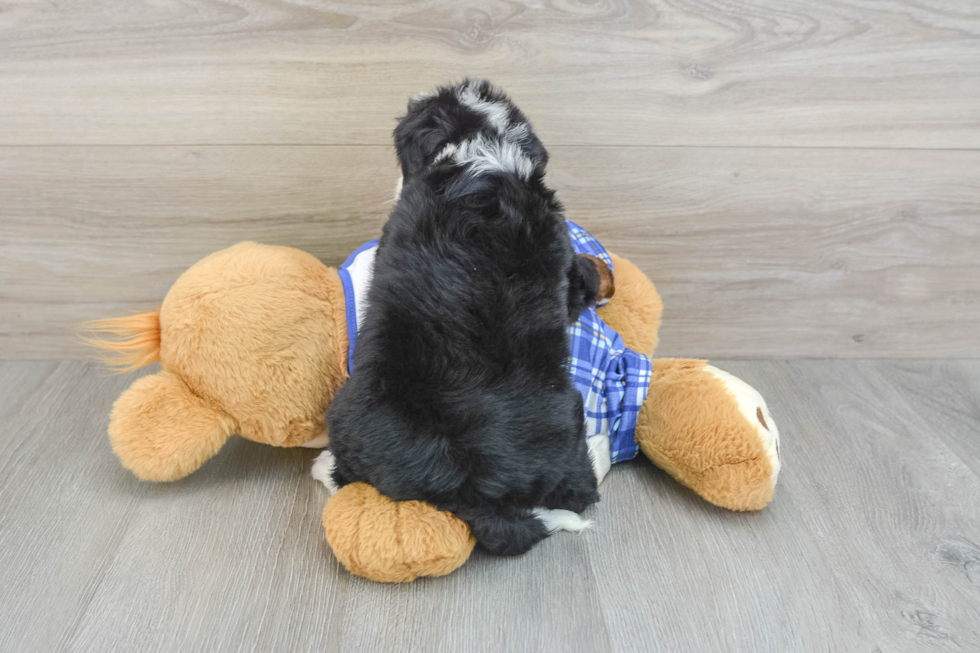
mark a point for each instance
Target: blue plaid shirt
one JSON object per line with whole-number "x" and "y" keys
{"x": 613, "y": 379}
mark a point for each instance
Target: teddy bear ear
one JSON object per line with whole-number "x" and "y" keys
{"x": 161, "y": 431}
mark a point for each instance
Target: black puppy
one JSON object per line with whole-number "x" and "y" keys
{"x": 459, "y": 395}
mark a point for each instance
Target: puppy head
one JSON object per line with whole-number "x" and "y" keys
{"x": 461, "y": 119}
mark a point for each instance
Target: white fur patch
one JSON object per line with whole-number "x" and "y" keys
{"x": 424, "y": 95}
{"x": 482, "y": 156}
{"x": 517, "y": 133}
{"x": 600, "y": 455}
{"x": 398, "y": 186}
{"x": 497, "y": 113}
{"x": 562, "y": 520}
{"x": 323, "y": 470}
{"x": 750, "y": 402}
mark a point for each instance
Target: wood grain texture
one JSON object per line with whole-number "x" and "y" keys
{"x": 889, "y": 505}
{"x": 756, "y": 251}
{"x": 954, "y": 413}
{"x": 609, "y": 72}
{"x": 871, "y": 543}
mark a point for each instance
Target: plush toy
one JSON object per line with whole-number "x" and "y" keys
{"x": 254, "y": 340}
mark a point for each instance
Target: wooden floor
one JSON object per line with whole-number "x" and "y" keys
{"x": 800, "y": 178}
{"x": 871, "y": 544}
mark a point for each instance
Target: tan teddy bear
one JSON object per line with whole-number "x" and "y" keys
{"x": 253, "y": 341}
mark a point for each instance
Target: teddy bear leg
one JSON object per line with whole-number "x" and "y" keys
{"x": 393, "y": 541}
{"x": 389, "y": 541}
{"x": 712, "y": 432}
{"x": 161, "y": 431}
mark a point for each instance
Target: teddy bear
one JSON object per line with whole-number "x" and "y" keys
{"x": 255, "y": 340}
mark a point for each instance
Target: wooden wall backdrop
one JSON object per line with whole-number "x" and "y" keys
{"x": 799, "y": 178}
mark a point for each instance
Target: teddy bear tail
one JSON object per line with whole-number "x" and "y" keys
{"x": 135, "y": 343}
{"x": 161, "y": 431}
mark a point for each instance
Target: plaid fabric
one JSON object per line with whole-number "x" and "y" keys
{"x": 613, "y": 379}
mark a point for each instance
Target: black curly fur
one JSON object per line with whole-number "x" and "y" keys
{"x": 459, "y": 394}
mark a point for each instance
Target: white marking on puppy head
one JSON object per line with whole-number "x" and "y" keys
{"x": 497, "y": 113}
{"x": 425, "y": 95}
{"x": 482, "y": 156}
{"x": 517, "y": 133}
{"x": 446, "y": 152}
{"x": 323, "y": 470}
{"x": 562, "y": 520}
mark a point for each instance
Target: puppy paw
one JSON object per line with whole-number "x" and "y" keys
{"x": 562, "y": 520}
{"x": 323, "y": 470}
{"x": 599, "y": 455}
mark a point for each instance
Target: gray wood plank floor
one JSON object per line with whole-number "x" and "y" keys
{"x": 872, "y": 542}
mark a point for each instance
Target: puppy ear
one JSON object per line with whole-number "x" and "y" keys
{"x": 429, "y": 125}
{"x": 589, "y": 281}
